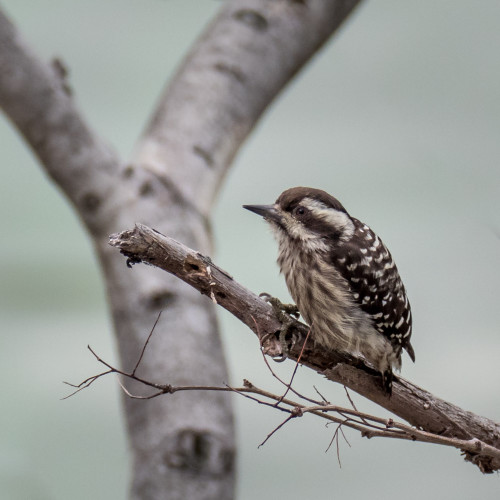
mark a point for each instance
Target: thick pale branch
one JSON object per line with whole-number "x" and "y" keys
{"x": 246, "y": 56}
{"x": 36, "y": 97}
{"x": 415, "y": 405}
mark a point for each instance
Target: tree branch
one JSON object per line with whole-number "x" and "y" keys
{"x": 417, "y": 406}
{"x": 368, "y": 425}
{"x": 242, "y": 61}
{"x": 35, "y": 96}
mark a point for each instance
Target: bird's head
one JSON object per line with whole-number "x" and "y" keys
{"x": 309, "y": 216}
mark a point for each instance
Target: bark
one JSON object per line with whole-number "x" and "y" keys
{"x": 183, "y": 448}
{"x": 417, "y": 406}
{"x": 237, "y": 67}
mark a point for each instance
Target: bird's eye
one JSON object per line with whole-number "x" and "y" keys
{"x": 300, "y": 210}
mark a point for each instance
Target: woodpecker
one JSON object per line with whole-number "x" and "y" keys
{"x": 342, "y": 278}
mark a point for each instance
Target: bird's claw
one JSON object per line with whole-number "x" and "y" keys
{"x": 279, "y": 307}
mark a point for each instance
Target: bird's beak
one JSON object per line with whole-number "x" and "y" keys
{"x": 269, "y": 212}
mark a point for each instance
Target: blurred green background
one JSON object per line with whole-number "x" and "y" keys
{"x": 399, "y": 117}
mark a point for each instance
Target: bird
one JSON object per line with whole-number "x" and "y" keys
{"x": 342, "y": 278}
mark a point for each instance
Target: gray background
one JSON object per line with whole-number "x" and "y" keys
{"x": 399, "y": 117}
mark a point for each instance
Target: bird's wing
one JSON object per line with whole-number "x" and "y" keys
{"x": 374, "y": 282}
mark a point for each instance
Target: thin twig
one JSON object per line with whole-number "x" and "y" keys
{"x": 146, "y": 344}
{"x": 86, "y": 383}
{"x": 349, "y": 398}
{"x": 352, "y": 402}
{"x": 289, "y": 385}
{"x": 276, "y": 429}
{"x": 243, "y": 391}
{"x": 367, "y": 425}
{"x": 321, "y": 395}
{"x": 133, "y": 396}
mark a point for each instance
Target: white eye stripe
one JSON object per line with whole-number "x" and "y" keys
{"x": 313, "y": 204}
{"x": 335, "y": 218}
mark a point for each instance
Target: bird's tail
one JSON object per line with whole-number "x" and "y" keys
{"x": 410, "y": 351}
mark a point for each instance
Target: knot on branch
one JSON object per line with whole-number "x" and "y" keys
{"x": 198, "y": 451}
{"x": 486, "y": 464}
